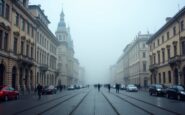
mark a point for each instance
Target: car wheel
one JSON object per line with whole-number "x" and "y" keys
{"x": 17, "y": 97}
{"x": 6, "y": 98}
{"x": 178, "y": 97}
{"x": 167, "y": 95}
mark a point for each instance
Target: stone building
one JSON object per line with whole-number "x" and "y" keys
{"x": 167, "y": 51}
{"x": 65, "y": 53}
{"x": 46, "y": 47}
{"x": 132, "y": 66}
{"x": 17, "y": 45}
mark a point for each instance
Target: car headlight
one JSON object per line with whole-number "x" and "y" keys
{"x": 158, "y": 89}
{"x": 182, "y": 92}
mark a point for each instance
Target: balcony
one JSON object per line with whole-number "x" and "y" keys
{"x": 153, "y": 67}
{"x": 43, "y": 67}
{"x": 174, "y": 60}
{"x": 25, "y": 60}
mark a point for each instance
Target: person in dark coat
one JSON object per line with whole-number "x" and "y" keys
{"x": 39, "y": 90}
{"x": 108, "y": 86}
{"x": 99, "y": 87}
{"x": 117, "y": 88}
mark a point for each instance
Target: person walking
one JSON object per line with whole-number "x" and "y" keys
{"x": 108, "y": 87}
{"x": 117, "y": 88}
{"x": 99, "y": 87}
{"x": 39, "y": 91}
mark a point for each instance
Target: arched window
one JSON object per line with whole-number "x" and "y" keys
{"x": 1, "y": 7}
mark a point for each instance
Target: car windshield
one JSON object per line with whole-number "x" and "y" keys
{"x": 159, "y": 86}
{"x": 131, "y": 85}
{"x": 181, "y": 88}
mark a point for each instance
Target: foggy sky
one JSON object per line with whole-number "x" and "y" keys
{"x": 100, "y": 29}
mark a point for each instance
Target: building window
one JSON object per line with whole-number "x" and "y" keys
{"x": 32, "y": 32}
{"x": 154, "y": 45}
{"x": 159, "y": 77}
{"x": 28, "y": 28}
{"x": 17, "y": 19}
{"x": 168, "y": 35}
{"x": 1, "y": 38}
{"x": 24, "y": 3}
{"x": 164, "y": 77}
{"x": 162, "y": 39}
{"x": 169, "y": 76}
{"x": 174, "y": 31}
{"x": 7, "y": 12}
{"x": 143, "y": 45}
{"x": 168, "y": 50}
{"x": 1, "y": 7}
{"x": 15, "y": 46}
{"x": 175, "y": 50}
{"x": 183, "y": 47}
{"x": 182, "y": 25}
{"x": 27, "y": 50}
{"x": 144, "y": 54}
{"x": 154, "y": 59}
{"x": 37, "y": 56}
{"x": 163, "y": 55}
{"x": 158, "y": 42}
{"x": 159, "y": 60}
{"x": 23, "y": 25}
{"x": 22, "y": 47}
{"x": 144, "y": 66}
{"x": 31, "y": 52}
{"x": 6, "y": 41}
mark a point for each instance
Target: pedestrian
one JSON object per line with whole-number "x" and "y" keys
{"x": 108, "y": 87}
{"x": 117, "y": 87}
{"x": 99, "y": 87}
{"x": 39, "y": 91}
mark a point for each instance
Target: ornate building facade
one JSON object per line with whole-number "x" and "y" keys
{"x": 65, "y": 53}
{"x": 167, "y": 51}
{"x": 17, "y": 44}
{"x": 132, "y": 66}
{"x": 46, "y": 46}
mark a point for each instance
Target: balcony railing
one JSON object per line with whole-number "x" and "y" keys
{"x": 174, "y": 60}
{"x": 43, "y": 67}
{"x": 153, "y": 67}
{"x": 25, "y": 59}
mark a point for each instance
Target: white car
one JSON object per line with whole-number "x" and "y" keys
{"x": 131, "y": 88}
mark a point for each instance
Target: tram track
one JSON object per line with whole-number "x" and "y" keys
{"x": 143, "y": 102}
{"x": 41, "y": 104}
{"x": 151, "y": 104}
{"x": 113, "y": 107}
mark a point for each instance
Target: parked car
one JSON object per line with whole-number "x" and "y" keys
{"x": 131, "y": 88}
{"x": 157, "y": 89}
{"x": 49, "y": 90}
{"x": 176, "y": 91}
{"x": 8, "y": 93}
{"x": 71, "y": 87}
{"x": 123, "y": 87}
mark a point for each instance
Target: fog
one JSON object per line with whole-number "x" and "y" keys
{"x": 100, "y": 29}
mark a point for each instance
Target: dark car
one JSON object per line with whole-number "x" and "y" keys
{"x": 176, "y": 91}
{"x": 49, "y": 90}
{"x": 157, "y": 89}
{"x": 8, "y": 93}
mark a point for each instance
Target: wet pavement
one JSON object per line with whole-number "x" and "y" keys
{"x": 89, "y": 101}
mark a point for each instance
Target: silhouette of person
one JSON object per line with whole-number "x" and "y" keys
{"x": 99, "y": 87}
{"x": 39, "y": 90}
{"x": 117, "y": 88}
{"x": 108, "y": 86}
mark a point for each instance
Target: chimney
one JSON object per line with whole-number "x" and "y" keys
{"x": 168, "y": 19}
